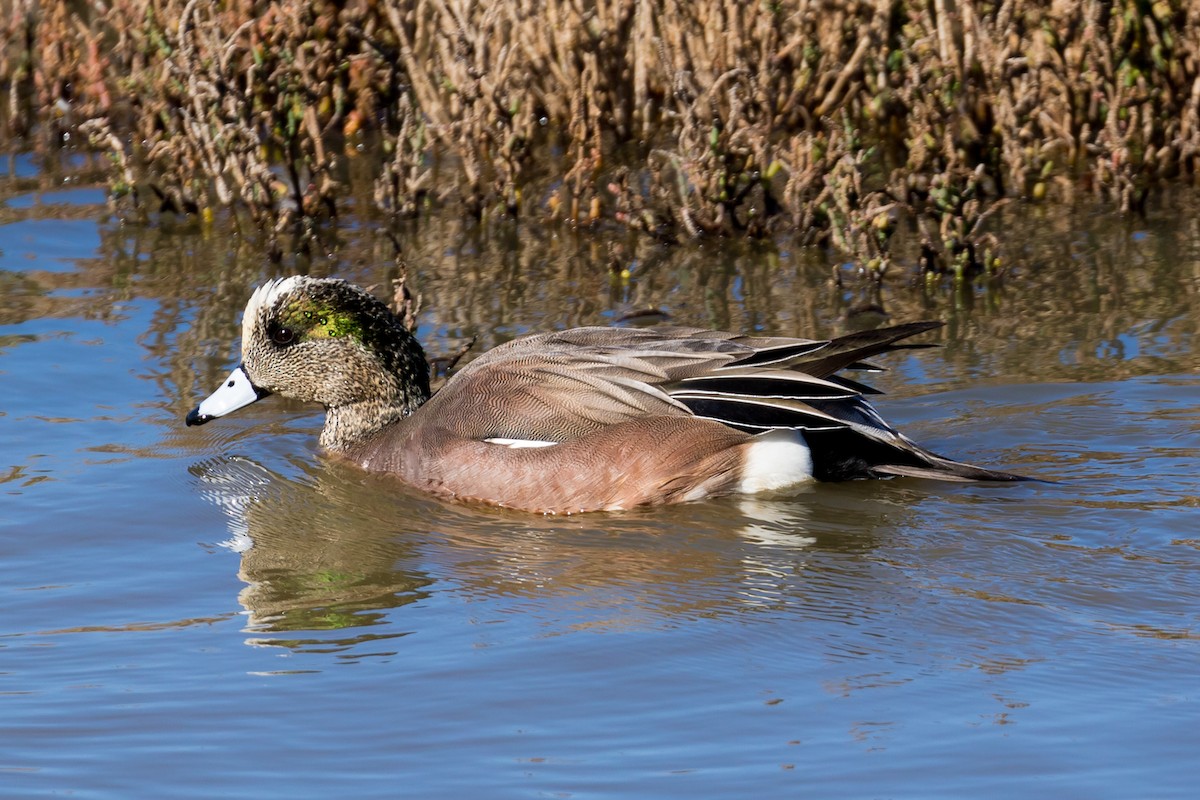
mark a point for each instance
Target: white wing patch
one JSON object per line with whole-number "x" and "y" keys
{"x": 517, "y": 444}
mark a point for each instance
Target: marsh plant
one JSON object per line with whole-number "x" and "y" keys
{"x": 833, "y": 122}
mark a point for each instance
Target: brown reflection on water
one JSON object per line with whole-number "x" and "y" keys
{"x": 1084, "y": 294}
{"x": 1096, "y": 297}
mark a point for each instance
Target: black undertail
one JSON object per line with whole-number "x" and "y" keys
{"x": 844, "y": 454}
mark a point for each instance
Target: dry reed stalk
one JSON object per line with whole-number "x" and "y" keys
{"x": 711, "y": 117}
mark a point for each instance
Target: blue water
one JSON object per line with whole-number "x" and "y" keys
{"x": 221, "y": 612}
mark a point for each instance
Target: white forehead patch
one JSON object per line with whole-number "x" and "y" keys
{"x": 263, "y": 299}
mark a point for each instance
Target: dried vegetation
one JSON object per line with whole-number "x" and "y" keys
{"x": 836, "y": 122}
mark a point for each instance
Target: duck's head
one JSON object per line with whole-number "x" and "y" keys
{"x": 326, "y": 341}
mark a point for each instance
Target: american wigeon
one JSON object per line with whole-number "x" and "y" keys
{"x": 578, "y": 420}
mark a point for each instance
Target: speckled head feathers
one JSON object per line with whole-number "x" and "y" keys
{"x": 327, "y": 341}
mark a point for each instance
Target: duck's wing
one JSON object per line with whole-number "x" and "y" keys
{"x": 798, "y": 389}
{"x": 553, "y": 386}
{"x": 757, "y": 400}
{"x": 670, "y": 348}
{"x": 553, "y": 395}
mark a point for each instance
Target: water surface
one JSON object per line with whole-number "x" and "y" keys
{"x": 221, "y": 612}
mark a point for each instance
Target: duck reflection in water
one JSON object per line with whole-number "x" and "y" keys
{"x": 332, "y": 556}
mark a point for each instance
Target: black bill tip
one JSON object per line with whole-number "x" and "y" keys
{"x": 194, "y": 417}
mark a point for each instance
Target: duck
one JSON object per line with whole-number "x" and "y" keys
{"x": 578, "y": 420}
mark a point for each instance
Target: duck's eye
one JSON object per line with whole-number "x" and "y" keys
{"x": 283, "y": 336}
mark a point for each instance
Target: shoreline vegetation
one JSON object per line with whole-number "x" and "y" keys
{"x": 836, "y": 123}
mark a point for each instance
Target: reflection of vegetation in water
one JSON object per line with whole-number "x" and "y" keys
{"x": 1083, "y": 286}
{"x": 22, "y": 476}
{"x": 11, "y": 340}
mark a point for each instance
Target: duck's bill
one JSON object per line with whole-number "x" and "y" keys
{"x": 236, "y": 392}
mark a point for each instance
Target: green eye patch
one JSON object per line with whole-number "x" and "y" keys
{"x": 315, "y": 321}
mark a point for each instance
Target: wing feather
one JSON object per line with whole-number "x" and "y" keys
{"x": 555, "y": 386}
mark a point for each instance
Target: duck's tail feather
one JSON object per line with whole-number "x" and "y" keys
{"x": 857, "y": 451}
{"x": 851, "y": 350}
{"x": 944, "y": 469}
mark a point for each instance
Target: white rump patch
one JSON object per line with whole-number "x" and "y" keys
{"x": 776, "y": 460}
{"x": 517, "y": 444}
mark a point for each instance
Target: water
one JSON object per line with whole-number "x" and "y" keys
{"x": 221, "y": 612}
